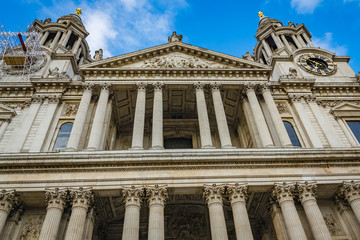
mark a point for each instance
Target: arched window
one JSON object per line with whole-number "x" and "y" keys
{"x": 292, "y": 134}
{"x": 355, "y": 128}
{"x": 63, "y": 136}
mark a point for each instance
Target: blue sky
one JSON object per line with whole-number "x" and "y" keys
{"x": 227, "y": 26}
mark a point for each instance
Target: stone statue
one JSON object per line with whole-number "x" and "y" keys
{"x": 291, "y": 75}
{"x": 98, "y": 55}
{"x": 56, "y": 73}
{"x": 175, "y": 38}
{"x": 291, "y": 24}
{"x": 248, "y": 56}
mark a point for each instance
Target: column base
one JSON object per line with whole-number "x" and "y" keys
{"x": 157, "y": 148}
{"x": 136, "y": 148}
{"x": 228, "y": 147}
{"x": 91, "y": 149}
{"x": 70, "y": 150}
{"x": 207, "y": 146}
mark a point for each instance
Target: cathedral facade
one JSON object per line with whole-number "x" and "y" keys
{"x": 178, "y": 142}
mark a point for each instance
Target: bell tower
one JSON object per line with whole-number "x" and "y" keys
{"x": 275, "y": 39}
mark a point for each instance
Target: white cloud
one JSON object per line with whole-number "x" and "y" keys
{"x": 305, "y": 6}
{"x": 121, "y": 26}
{"x": 329, "y": 44}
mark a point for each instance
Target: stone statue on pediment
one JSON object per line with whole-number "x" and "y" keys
{"x": 291, "y": 24}
{"x": 248, "y": 56}
{"x": 98, "y": 55}
{"x": 175, "y": 38}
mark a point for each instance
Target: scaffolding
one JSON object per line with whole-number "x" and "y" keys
{"x": 20, "y": 51}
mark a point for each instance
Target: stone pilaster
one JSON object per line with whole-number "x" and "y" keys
{"x": 99, "y": 118}
{"x": 55, "y": 199}
{"x": 204, "y": 125}
{"x": 157, "y": 124}
{"x": 133, "y": 198}
{"x": 89, "y": 224}
{"x": 259, "y": 118}
{"x": 12, "y": 221}
{"x": 8, "y": 200}
{"x": 76, "y": 131}
{"x": 223, "y": 128}
{"x": 238, "y": 195}
{"x": 139, "y": 118}
{"x": 283, "y": 194}
{"x": 156, "y": 198}
{"x": 351, "y": 192}
{"x": 82, "y": 199}
{"x": 278, "y": 221}
{"x": 213, "y": 195}
{"x": 307, "y": 196}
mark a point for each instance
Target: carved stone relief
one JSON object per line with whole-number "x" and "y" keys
{"x": 32, "y": 227}
{"x": 282, "y": 108}
{"x": 70, "y": 109}
{"x": 186, "y": 222}
{"x": 332, "y": 225}
{"x": 180, "y": 61}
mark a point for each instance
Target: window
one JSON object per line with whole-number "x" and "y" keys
{"x": 292, "y": 134}
{"x": 178, "y": 143}
{"x": 355, "y": 128}
{"x": 63, "y": 136}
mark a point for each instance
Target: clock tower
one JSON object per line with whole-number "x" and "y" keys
{"x": 291, "y": 53}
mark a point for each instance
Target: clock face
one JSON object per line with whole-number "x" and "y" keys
{"x": 317, "y": 64}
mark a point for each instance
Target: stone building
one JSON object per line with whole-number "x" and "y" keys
{"x": 179, "y": 142}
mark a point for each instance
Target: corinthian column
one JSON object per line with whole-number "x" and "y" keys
{"x": 156, "y": 198}
{"x": 204, "y": 125}
{"x": 99, "y": 119}
{"x": 283, "y": 194}
{"x": 275, "y": 116}
{"x": 76, "y": 131}
{"x": 139, "y": 118}
{"x": 213, "y": 195}
{"x": 238, "y": 195}
{"x": 8, "y": 200}
{"x": 55, "y": 199}
{"x": 157, "y": 124}
{"x": 351, "y": 191}
{"x": 259, "y": 118}
{"x": 82, "y": 199}
{"x": 132, "y": 197}
{"x": 221, "y": 121}
{"x": 307, "y": 196}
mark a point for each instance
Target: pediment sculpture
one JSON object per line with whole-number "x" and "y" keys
{"x": 177, "y": 61}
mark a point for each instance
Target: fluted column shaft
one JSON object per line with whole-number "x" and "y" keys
{"x": 259, "y": 118}
{"x": 99, "y": 119}
{"x": 278, "y": 223}
{"x": 238, "y": 197}
{"x": 89, "y": 225}
{"x": 55, "y": 207}
{"x": 204, "y": 125}
{"x": 76, "y": 131}
{"x": 156, "y": 198}
{"x": 82, "y": 199}
{"x": 284, "y": 196}
{"x": 8, "y": 200}
{"x": 307, "y": 195}
{"x": 220, "y": 115}
{"x": 157, "y": 124}
{"x": 139, "y": 118}
{"x": 213, "y": 196}
{"x": 132, "y": 197}
{"x": 275, "y": 116}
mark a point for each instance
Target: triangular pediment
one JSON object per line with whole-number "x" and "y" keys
{"x": 346, "y": 109}
{"x": 6, "y": 112}
{"x": 175, "y": 55}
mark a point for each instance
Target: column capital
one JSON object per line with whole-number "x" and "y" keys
{"x": 38, "y": 98}
{"x": 238, "y": 193}
{"x": 81, "y": 197}
{"x": 264, "y": 87}
{"x": 295, "y": 97}
{"x": 157, "y": 195}
{"x": 199, "y": 86}
{"x": 158, "y": 86}
{"x": 141, "y": 86}
{"x": 105, "y": 86}
{"x": 54, "y": 98}
{"x": 215, "y": 87}
{"x": 133, "y": 196}
{"x": 8, "y": 200}
{"x": 283, "y": 192}
{"x": 307, "y": 191}
{"x": 56, "y": 198}
{"x": 213, "y": 193}
{"x": 88, "y": 86}
{"x": 350, "y": 190}
{"x": 249, "y": 87}
{"x": 310, "y": 98}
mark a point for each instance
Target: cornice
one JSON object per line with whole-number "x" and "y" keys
{"x": 186, "y": 159}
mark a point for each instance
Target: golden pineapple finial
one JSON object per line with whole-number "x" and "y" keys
{"x": 78, "y": 11}
{"x": 261, "y": 15}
